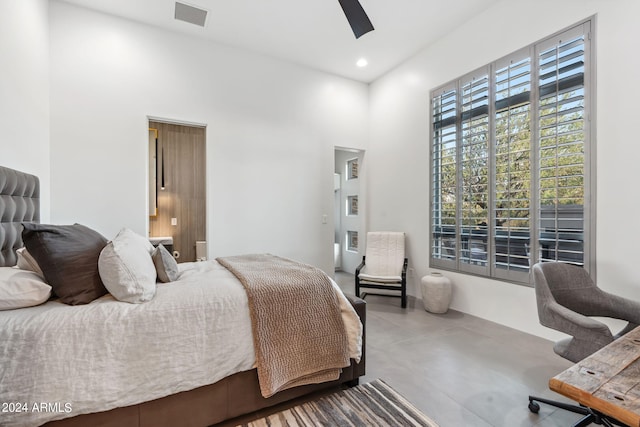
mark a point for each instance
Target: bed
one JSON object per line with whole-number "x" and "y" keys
{"x": 185, "y": 357}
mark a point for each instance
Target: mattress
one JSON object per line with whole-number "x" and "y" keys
{"x": 58, "y": 361}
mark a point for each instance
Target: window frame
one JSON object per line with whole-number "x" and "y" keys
{"x": 532, "y": 51}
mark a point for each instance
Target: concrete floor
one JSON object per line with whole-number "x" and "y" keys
{"x": 459, "y": 369}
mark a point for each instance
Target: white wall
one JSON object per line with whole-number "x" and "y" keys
{"x": 398, "y": 153}
{"x": 271, "y": 129}
{"x": 24, "y": 91}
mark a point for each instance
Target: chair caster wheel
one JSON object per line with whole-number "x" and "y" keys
{"x": 534, "y": 407}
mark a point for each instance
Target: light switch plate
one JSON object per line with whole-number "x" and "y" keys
{"x": 174, "y": 221}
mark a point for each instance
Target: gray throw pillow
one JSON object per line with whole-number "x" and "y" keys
{"x": 166, "y": 265}
{"x": 68, "y": 256}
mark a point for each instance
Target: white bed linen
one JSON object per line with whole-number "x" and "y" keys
{"x": 110, "y": 354}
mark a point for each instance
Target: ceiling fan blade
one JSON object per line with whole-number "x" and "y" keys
{"x": 357, "y": 17}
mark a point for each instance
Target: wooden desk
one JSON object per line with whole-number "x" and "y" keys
{"x": 607, "y": 381}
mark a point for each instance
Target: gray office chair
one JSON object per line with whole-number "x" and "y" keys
{"x": 566, "y": 297}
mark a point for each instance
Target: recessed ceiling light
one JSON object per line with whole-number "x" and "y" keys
{"x": 362, "y": 62}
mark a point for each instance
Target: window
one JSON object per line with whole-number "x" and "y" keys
{"x": 352, "y": 205}
{"x": 352, "y": 169}
{"x": 352, "y": 241}
{"x": 511, "y": 162}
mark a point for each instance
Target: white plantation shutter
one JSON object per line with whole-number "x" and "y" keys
{"x": 512, "y": 182}
{"x": 474, "y": 168}
{"x": 444, "y": 169}
{"x": 561, "y": 145}
{"x": 512, "y": 164}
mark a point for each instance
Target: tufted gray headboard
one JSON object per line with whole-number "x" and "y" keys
{"x": 19, "y": 202}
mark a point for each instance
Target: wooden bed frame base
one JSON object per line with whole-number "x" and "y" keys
{"x": 233, "y": 396}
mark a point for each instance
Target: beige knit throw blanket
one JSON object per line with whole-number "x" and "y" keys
{"x": 298, "y": 332}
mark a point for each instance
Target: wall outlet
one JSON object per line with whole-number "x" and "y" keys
{"x": 174, "y": 221}
{"x": 412, "y": 272}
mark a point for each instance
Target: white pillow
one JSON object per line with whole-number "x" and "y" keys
{"x": 27, "y": 262}
{"x": 126, "y": 267}
{"x": 20, "y": 288}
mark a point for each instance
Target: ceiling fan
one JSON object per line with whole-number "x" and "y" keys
{"x": 357, "y": 17}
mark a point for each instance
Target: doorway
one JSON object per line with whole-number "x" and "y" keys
{"x": 177, "y": 184}
{"x": 349, "y": 213}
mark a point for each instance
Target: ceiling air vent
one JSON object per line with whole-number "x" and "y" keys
{"x": 190, "y": 14}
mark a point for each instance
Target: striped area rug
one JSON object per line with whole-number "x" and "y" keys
{"x": 373, "y": 404}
